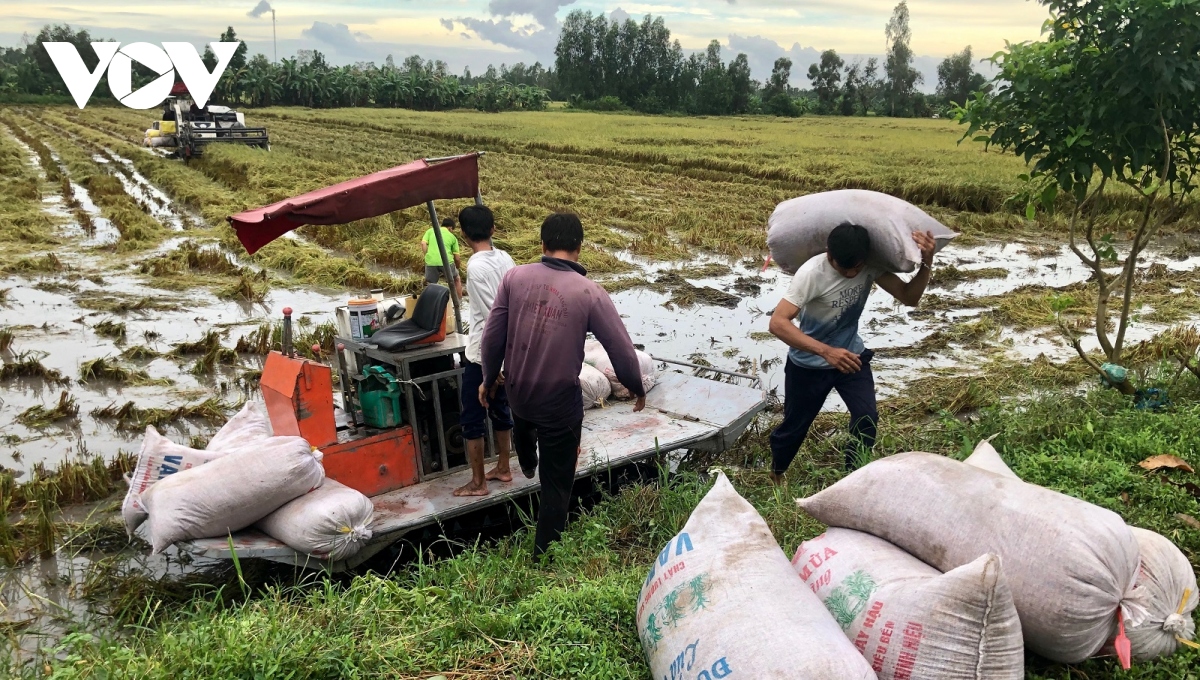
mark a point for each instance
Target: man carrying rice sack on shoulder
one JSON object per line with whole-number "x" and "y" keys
{"x": 829, "y": 293}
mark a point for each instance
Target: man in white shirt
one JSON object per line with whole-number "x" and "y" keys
{"x": 829, "y": 293}
{"x": 485, "y": 268}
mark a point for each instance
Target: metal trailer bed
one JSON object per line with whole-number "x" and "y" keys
{"x": 682, "y": 412}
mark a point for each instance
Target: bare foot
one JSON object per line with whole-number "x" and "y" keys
{"x": 777, "y": 480}
{"x": 500, "y": 475}
{"x": 471, "y": 489}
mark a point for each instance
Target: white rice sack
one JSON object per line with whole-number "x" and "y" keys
{"x": 247, "y": 428}
{"x": 330, "y": 522}
{"x": 799, "y": 229}
{"x": 1070, "y": 564}
{"x": 231, "y": 492}
{"x": 160, "y": 456}
{"x": 1165, "y": 585}
{"x": 908, "y": 619}
{"x": 595, "y": 356}
{"x": 595, "y": 387}
{"x": 986, "y": 457}
{"x": 722, "y": 601}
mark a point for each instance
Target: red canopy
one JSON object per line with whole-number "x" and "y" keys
{"x": 376, "y": 194}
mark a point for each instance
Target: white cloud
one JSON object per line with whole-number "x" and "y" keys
{"x": 337, "y": 36}
{"x": 762, "y": 52}
{"x": 260, "y": 9}
{"x": 536, "y": 40}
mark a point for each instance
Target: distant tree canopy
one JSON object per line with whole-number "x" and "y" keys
{"x": 29, "y": 70}
{"x": 902, "y": 78}
{"x": 638, "y": 66}
{"x": 826, "y": 78}
{"x": 306, "y": 79}
{"x": 600, "y": 64}
{"x": 957, "y": 79}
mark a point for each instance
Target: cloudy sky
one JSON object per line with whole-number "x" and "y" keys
{"x": 475, "y": 33}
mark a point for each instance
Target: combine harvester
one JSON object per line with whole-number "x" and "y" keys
{"x": 392, "y": 432}
{"x": 186, "y": 129}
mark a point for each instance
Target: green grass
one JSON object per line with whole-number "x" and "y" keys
{"x": 493, "y": 611}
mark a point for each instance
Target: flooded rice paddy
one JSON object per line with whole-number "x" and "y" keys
{"x": 61, "y": 319}
{"x": 173, "y": 352}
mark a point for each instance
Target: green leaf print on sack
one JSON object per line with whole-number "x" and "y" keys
{"x": 849, "y": 599}
{"x": 698, "y": 587}
{"x": 687, "y": 598}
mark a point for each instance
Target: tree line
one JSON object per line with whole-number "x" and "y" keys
{"x": 305, "y": 79}
{"x": 600, "y": 64}
{"x": 625, "y": 64}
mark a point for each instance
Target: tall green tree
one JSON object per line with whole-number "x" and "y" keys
{"x": 902, "y": 78}
{"x": 1108, "y": 97}
{"x": 46, "y": 79}
{"x": 238, "y": 61}
{"x": 869, "y": 86}
{"x": 957, "y": 79}
{"x": 776, "y": 96}
{"x": 853, "y": 83}
{"x": 714, "y": 91}
{"x": 740, "y": 84}
{"x": 826, "y": 77}
{"x": 781, "y": 74}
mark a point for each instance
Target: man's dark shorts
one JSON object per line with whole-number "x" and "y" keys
{"x": 473, "y": 415}
{"x": 433, "y": 274}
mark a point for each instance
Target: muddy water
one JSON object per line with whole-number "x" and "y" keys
{"x": 157, "y": 203}
{"x": 723, "y": 337}
{"x": 49, "y": 315}
{"x": 43, "y": 600}
{"x": 57, "y": 326}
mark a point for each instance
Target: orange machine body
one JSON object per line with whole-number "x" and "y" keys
{"x": 376, "y": 464}
{"x": 299, "y": 399}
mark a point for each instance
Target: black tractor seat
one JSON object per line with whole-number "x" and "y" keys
{"x": 427, "y": 318}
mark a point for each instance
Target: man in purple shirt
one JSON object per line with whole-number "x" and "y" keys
{"x": 536, "y": 329}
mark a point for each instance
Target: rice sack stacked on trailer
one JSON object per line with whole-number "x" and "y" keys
{"x": 232, "y": 492}
{"x": 594, "y": 385}
{"x": 1071, "y": 565}
{"x": 595, "y": 356}
{"x": 723, "y": 601}
{"x": 908, "y": 619}
{"x": 160, "y": 457}
{"x": 324, "y": 518}
{"x": 1165, "y": 585}
{"x": 799, "y": 229}
{"x": 330, "y": 522}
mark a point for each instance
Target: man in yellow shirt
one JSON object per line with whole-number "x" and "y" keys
{"x": 433, "y": 258}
